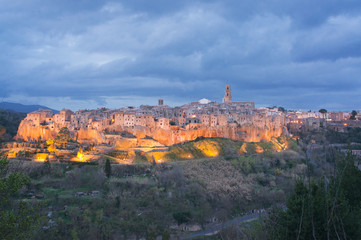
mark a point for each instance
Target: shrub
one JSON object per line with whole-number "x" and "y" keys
{"x": 182, "y": 216}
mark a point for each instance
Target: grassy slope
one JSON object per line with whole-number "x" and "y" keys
{"x": 210, "y": 148}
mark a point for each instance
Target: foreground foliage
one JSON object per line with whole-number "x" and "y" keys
{"x": 326, "y": 209}
{"x": 17, "y": 218}
{"x": 84, "y": 201}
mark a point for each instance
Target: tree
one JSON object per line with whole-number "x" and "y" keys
{"x": 326, "y": 209}
{"x": 74, "y": 234}
{"x": 80, "y": 154}
{"x": 108, "y": 168}
{"x": 117, "y": 202}
{"x": 165, "y": 235}
{"x": 281, "y": 109}
{"x": 90, "y": 148}
{"x": 51, "y": 146}
{"x": 47, "y": 165}
{"x": 151, "y": 234}
{"x": 182, "y": 216}
{"x": 17, "y": 219}
{"x": 353, "y": 115}
{"x": 323, "y": 112}
{"x": 63, "y": 136}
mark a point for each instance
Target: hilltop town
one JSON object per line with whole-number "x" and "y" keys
{"x": 167, "y": 125}
{"x": 162, "y": 162}
{"x": 161, "y": 125}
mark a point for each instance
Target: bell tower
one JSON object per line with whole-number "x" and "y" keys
{"x": 227, "y": 96}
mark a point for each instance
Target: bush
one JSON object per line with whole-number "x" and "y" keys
{"x": 32, "y": 169}
{"x": 182, "y": 216}
{"x": 85, "y": 176}
{"x": 251, "y": 148}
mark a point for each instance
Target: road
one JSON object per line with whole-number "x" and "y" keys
{"x": 217, "y": 228}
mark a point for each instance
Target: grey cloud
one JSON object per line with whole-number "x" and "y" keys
{"x": 338, "y": 37}
{"x": 270, "y": 51}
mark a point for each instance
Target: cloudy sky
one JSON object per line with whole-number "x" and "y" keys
{"x": 300, "y": 54}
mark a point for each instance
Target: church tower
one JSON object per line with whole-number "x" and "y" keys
{"x": 227, "y": 96}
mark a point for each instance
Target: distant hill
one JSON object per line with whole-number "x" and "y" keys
{"x": 17, "y": 107}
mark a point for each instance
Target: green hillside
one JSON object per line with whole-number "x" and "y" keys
{"x": 216, "y": 147}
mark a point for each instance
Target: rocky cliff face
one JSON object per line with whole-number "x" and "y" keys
{"x": 250, "y": 133}
{"x": 28, "y": 132}
{"x": 89, "y": 135}
{"x": 246, "y": 133}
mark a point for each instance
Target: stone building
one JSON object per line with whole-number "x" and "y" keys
{"x": 129, "y": 119}
{"x": 181, "y": 121}
{"x": 205, "y": 119}
{"x": 222, "y": 120}
{"x": 40, "y": 116}
{"x": 213, "y": 120}
{"x": 63, "y": 116}
{"x": 163, "y": 123}
{"x": 119, "y": 119}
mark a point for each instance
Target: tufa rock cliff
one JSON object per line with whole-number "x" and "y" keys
{"x": 250, "y": 133}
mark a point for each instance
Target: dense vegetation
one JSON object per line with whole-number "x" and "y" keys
{"x": 325, "y": 202}
{"x": 328, "y": 208}
{"x": 18, "y": 219}
{"x": 324, "y": 137}
{"x": 223, "y": 179}
{"x": 9, "y": 123}
{"x": 112, "y": 201}
{"x": 351, "y": 135}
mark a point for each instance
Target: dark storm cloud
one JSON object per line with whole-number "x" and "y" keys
{"x": 302, "y": 54}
